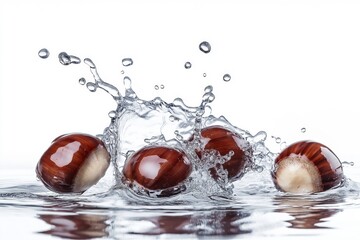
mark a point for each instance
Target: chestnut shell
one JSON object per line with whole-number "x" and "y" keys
{"x": 157, "y": 167}
{"x": 223, "y": 140}
{"x": 327, "y": 164}
{"x": 62, "y": 161}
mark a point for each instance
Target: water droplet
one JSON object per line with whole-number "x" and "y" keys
{"x": 173, "y": 118}
{"x": 260, "y": 136}
{"x": 204, "y": 75}
{"x": 66, "y": 59}
{"x": 127, "y": 62}
{"x": 44, "y": 53}
{"x": 303, "y": 130}
{"x": 208, "y": 89}
{"x": 162, "y": 86}
{"x": 188, "y": 65}
{"x": 156, "y": 87}
{"x": 89, "y": 62}
{"x": 226, "y": 77}
{"x": 348, "y": 163}
{"x": 283, "y": 145}
{"x": 122, "y": 71}
{"x": 208, "y": 97}
{"x": 277, "y": 139}
{"x": 112, "y": 114}
{"x": 82, "y": 81}
{"x": 127, "y": 82}
{"x": 205, "y": 47}
{"x": 259, "y": 169}
{"x": 91, "y": 86}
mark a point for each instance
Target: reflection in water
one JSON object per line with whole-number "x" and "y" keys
{"x": 211, "y": 222}
{"x": 91, "y": 225}
{"x": 307, "y": 212}
{"x": 76, "y": 226}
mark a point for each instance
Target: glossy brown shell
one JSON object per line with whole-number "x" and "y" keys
{"x": 223, "y": 140}
{"x": 60, "y": 163}
{"x": 157, "y": 167}
{"x": 325, "y": 160}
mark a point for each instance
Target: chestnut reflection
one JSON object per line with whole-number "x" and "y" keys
{"x": 76, "y": 226}
{"x": 202, "y": 223}
{"x": 307, "y": 213}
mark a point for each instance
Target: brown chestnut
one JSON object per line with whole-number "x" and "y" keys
{"x": 225, "y": 141}
{"x": 73, "y": 163}
{"x": 307, "y": 167}
{"x": 158, "y": 168}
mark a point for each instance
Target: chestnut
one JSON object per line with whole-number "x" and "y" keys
{"x": 73, "y": 163}
{"x": 307, "y": 167}
{"x": 224, "y": 141}
{"x": 158, "y": 168}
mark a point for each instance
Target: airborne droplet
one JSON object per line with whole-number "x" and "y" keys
{"x": 226, "y": 77}
{"x": 91, "y": 86}
{"x": 303, "y": 130}
{"x": 188, "y": 65}
{"x": 66, "y": 59}
{"x": 82, "y": 81}
{"x": 205, "y": 47}
{"x": 44, "y": 53}
{"x": 156, "y": 87}
{"x": 127, "y": 62}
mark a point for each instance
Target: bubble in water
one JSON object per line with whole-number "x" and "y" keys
{"x": 204, "y": 74}
{"x": 127, "y": 62}
{"x": 303, "y": 130}
{"x": 227, "y": 77}
{"x": 205, "y": 47}
{"x": 188, "y": 65}
{"x": 156, "y": 87}
{"x": 82, "y": 81}
{"x": 66, "y": 59}
{"x": 44, "y": 53}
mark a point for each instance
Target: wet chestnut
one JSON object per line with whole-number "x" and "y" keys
{"x": 158, "y": 168}
{"x": 307, "y": 167}
{"x": 225, "y": 141}
{"x": 73, "y": 163}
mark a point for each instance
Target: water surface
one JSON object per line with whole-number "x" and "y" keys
{"x": 256, "y": 210}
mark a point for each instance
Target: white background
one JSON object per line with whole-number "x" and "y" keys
{"x": 293, "y": 64}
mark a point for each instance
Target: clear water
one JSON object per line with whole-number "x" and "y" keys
{"x": 209, "y": 209}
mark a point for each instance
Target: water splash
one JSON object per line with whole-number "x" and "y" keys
{"x": 171, "y": 123}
